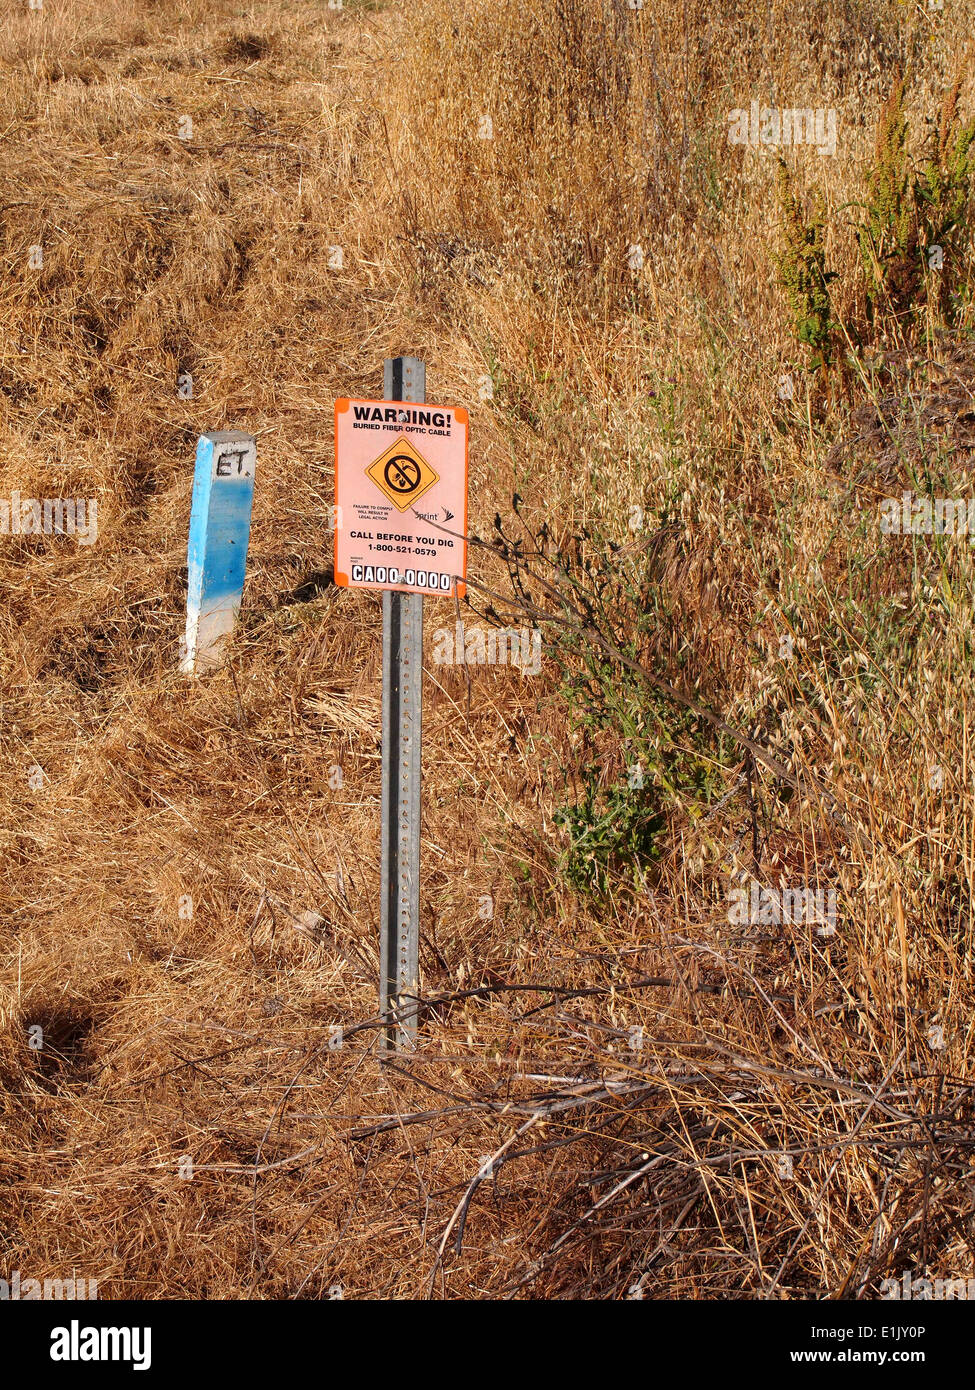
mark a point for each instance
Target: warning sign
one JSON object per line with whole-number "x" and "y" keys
{"x": 400, "y": 496}
{"x": 402, "y": 474}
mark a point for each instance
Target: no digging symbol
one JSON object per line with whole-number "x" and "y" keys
{"x": 401, "y": 474}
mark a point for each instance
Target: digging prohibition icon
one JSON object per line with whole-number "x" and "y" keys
{"x": 402, "y": 474}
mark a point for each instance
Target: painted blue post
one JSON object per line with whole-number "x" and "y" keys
{"x": 220, "y": 525}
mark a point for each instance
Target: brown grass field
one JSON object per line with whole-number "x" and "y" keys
{"x": 190, "y": 903}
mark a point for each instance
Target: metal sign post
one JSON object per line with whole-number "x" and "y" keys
{"x": 400, "y": 480}
{"x": 404, "y": 379}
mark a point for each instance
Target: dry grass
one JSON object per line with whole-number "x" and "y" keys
{"x": 172, "y": 1031}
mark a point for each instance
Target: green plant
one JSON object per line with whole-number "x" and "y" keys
{"x": 609, "y": 831}
{"x": 802, "y": 270}
{"x": 611, "y": 620}
{"x": 909, "y": 217}
{"x": 888, "y": 237}
{"x": 943, "y": 193}
{"x": 913, "y": 222}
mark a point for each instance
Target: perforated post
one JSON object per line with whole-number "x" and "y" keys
{"x": 404, "y": 379}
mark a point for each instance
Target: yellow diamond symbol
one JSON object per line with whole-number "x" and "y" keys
{"x": 402, "y": 474}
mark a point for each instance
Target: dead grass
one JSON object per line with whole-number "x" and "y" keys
{"x": 190, "y": 907}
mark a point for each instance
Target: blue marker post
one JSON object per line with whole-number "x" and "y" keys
{"x": 220, "y": 525}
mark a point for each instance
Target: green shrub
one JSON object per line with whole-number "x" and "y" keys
{"x": 803, "y": 273}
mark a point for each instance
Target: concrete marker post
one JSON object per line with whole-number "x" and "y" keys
{"x": 220, "y": 524}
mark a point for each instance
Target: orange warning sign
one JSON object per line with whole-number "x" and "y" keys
{"x": 401, "y": 496}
